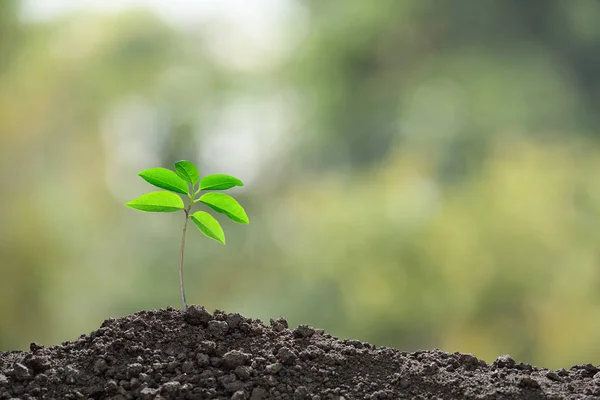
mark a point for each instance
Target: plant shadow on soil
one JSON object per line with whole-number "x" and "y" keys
{"x": 171, "y": 354}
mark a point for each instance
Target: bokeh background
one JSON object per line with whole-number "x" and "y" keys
{"x": 419, "y": 174}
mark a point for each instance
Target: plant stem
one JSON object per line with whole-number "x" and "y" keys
{"x": 181, "y": 289}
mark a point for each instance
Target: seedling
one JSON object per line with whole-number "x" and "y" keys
{"x": 186, "y": 180}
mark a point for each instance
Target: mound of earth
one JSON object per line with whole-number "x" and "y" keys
{"x": 170, "y": 354}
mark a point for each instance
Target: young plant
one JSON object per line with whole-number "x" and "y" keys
{"x": 186, "y": 180}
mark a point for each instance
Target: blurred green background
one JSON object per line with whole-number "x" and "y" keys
{"x": 418, "y": 173}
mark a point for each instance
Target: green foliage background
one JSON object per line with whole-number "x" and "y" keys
{"x": 418, "y": 173}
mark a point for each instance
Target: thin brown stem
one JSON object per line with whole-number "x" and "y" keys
{"x": 181, "y": 289}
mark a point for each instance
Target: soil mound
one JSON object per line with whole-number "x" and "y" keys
{"x": 169, "y": 354}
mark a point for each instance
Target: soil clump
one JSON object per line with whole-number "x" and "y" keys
{"x": 171, "y": 354}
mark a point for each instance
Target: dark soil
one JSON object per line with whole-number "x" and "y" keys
{"x": 169, "y": 354}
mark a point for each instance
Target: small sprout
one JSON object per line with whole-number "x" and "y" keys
{"x": 186, "y": 180}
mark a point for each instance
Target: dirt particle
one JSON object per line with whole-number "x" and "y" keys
{"x": 333, "y": 359}
{"x": 133, "y": 370}
{"x": 528, "y": 382}
{"x": 230, "y": 383}
{"x": 303, "y": 331}
{"x": 234, "y": 320}
{"x": 148, "y": 393}
{"x": 300, "y": 393}
{"x": 270, "y": 380}
{"x": 273, "y": 368}
{"x": 197, "y": 315}
{"x": 202, "y": 360}
{"x": 21, "y": 372}
{"x": 207, "y": 346}
{"x": 111, "y": 387}
{"x": 243, "y": 372}
{"x": 553, "y": 376}
{"x": 38, "y": 363}
{"x": 218, "y": 329}
{"x": 157, "y": 366}
{"x": 33, "y": 347}
{"x": 170, "y": 389}
{"x": 357, "y": 344}
{"x": 129, "y": 334}
{"x": 187, "y": 367}
{"x": 279, "y": 324}
{"x": 172, "y": 366}
{"x": 524, "y": 367}
{"x": 380, "y": 395}
{"x": 235, "y": 358}
{"x": 505, "y": 361}
{"x": 100, "y": 366}
{"x": 239, "y": 395}
{"x": 468, "y": 360}
{"x": 590, "y": 368}
{"x": 108, "y": 322}
{"x": 287, "y": 356}
{"x": 258, "y": 393}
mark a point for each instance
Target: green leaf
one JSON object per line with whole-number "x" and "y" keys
{"x": 219, "y": 182}
{"x": 157, "y": 202}
{"x": 187, "y": 171}
{"x": 225, "y": 204}
{"x": 165, "y": 179}
{"x": 209, "y": 226}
